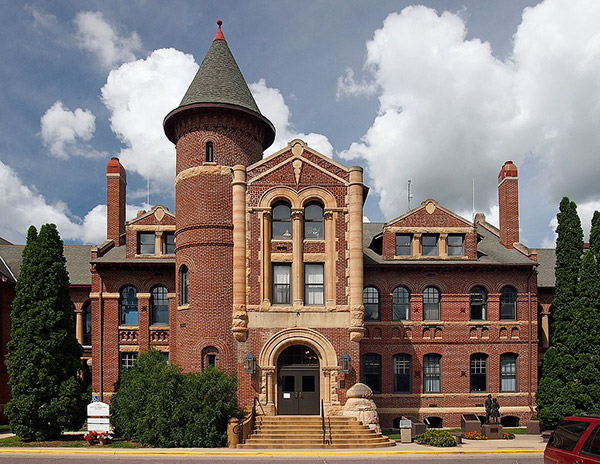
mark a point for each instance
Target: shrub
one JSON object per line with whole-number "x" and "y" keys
{"x": 440, "y": 438}
{"x": 158, "y": 405}
{"x": 508, "y": 436}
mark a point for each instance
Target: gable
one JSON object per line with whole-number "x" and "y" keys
{"x": 159, "y": 215}
{"x": 429, "y": 215}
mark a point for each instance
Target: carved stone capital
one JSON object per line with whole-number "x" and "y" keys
{"x": 357, "y": 334}
{"x": 240, "y": 333}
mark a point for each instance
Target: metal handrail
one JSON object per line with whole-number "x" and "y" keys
{"x": 246, "y": 425}
{"x": 323, "y": 423}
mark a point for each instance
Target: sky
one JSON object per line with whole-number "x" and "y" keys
{"x": 440, "y": 93}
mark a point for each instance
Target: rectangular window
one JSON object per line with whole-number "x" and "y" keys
{"x": 591, "y": 447}
{"x": 403, "y": 245}
{"x": 432, "y": 373}
{"x": 128, "y": 359}
{"x": 281, "y": 283}
{"x": 508, "y": 373}
{"x": 146, "y": 243}
{"x": 371, "y": 372}
{"x": 429, "y": 245}
{"x": 478, "y": 373}
{"x": 314, "y": 284}
{"x": 169, "y": 243}
{"x": 456, "y": 245}
{"x": 566, "y": 434}
{"x": 402, "y": 373}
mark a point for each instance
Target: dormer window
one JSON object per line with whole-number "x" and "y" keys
{"x": 403, "y": 244}
{"x": 429, "y": 245}
{"x": 146, "y": 243}
{"x": 456, "y": 245}
{"x": 169, "y": 243}
{"x": 209, "y": 152}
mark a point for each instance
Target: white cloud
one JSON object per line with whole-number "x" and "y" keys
{"x": 272, "y": 105}
{"x": 63, "y": 131}
{"x": 139, "y": 95}
{"x": 41, "y": 19}
{"x": 442, "y": 97}
{"x": 347, "y": 86}
{"x": 585, "y": 211}
{"x": 95, "y": 34}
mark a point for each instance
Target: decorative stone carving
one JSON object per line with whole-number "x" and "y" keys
{"x": 240, "y": 323}
{"x": 357, "y": 330}
{"x": 159, "y": 214}
{"x": 297, "y": 165}
{"x": 360, "y": 404}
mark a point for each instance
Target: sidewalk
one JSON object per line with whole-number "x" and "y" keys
{"x": 526, "y": 444}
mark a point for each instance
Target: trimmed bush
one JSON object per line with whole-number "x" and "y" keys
{"x": 439, "y": 438}
{"x": 158, "y": 405}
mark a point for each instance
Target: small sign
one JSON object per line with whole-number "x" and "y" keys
{"x": 98, "y": 420}
{"x": 98, "y": 409}
{"x": 98, "y": 427}
{"x": 287, "y": 396}
{"x": 95, "y": 399}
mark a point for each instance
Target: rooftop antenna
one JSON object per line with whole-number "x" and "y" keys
{"x": 473, "y": 209}
{"x": 409, "y": 194}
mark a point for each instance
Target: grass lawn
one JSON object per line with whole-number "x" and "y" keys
{"x": 68, "y": 441}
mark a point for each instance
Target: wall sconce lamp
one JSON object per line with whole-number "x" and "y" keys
{"x": 345, "y": 364}
{"x": 250, "y": 365}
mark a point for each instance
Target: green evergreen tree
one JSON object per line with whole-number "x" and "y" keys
{"x": 43, "y": 353}
{"x": 595, "y": 236}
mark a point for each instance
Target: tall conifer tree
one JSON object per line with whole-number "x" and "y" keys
{"x": 595, "y": 236}
{"x": 44, "y": 356}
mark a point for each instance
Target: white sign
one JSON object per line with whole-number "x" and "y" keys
{"x": 98, "y": 420}
{"x": 287, "y": 395}
{"x": 98, "y": 427}
{"x": 98, "y": 409}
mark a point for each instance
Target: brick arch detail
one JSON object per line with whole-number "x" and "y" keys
{"x": 217, "y": 343}
{"x": 297, "y": 336}
{"x": 298, "y": 199}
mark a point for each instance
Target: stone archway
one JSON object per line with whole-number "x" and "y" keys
{"x": 267, "y": 362}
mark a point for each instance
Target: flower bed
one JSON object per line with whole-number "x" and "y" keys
{"x": 475, "y": 436}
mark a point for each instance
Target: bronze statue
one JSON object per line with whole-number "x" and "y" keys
{"x": 495, "y": 411}
{"x": 488, "y": 408}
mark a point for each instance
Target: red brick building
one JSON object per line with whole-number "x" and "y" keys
{"x": 267, "y": 271}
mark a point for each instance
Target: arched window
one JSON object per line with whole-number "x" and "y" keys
{"x": 184, "y": 284}
{"x": 371, "y": 371}
{"x": 371, "y": 303}
{"x": 432, "y": 373}
{"x": 402, "y": 367}
{"x": 160, "y": 306}
{"x": 401, "y": 304}
{"x": 210, "y": 355}
{"x": 431, "y": 304}
{"x": 479, "y": 304}
{"x": 129, "y": 306}
{"x": 87, "y": 324}
{"x": 313, "y": 221}
{"x": 508, "y": 372}
{"x": 508, "y": 303}
{"x": 209, "y": 152}
{"x": 479, "y": 371}
{"x": 281, "y": 221}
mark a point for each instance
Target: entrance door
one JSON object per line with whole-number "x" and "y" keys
{"x": 298, "y": 376}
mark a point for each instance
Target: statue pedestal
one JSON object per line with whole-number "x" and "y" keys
{"x": 492, "y": 431}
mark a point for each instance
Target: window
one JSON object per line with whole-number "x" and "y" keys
{"x": 314, "y": 286}
{"x": 508, "y": 303}
{"x": 209, "y": 152}
{"x": 313, "y": 221}
{"x": 591, "y": 447}
{"x": 479, "y": 304}
{"x": 184, "y": 285}
{"x": 129, "y": 306}
{"x": 429, "y": 245}
{"x": 87, "y": 324}
{"x": 160, "y": 306}
{"x": 508, "y": 372}
{"x": 566, "y": 434}
{"x": 371, "y": 303}
{"x": 127, "y": 359}
{"x": 146, "y": 243}
{"x": 281, "y": 283}
{"x": 209, "y": 357}
{"x": 402, "y": 373}
{"x": 432, "y": 372}
{"x": 403, "y": 245}
{"x": 281, "y": 223}
{"x": 169, "y": 243}
{"x": 456, "y": 245}
{"x": 371, "y": 372}
{"x": 479, "y": 363}
{"x": 431, "y": 304}
{"x": 401, "y": 304}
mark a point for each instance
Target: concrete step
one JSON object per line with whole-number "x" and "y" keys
{"x": 315, "y": 446}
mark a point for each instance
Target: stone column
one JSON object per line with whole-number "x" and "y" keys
{"x": 298, "y": 257}
{"x": 240, "y": 317}
{"x": 416, "y": 245}
{"x": 545, "y": 326}
{"x": 329, "y": 259}
{"x": 266, "y": 258}
{"x": 158, "y": 242}
{"x": 443, "y": 245}
{"x": 79, "y": 325}
{"x": 355, "y": 248}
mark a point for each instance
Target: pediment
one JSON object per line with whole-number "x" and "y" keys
{"x": 158, "y": 215}
{"x": 430, "y": 215}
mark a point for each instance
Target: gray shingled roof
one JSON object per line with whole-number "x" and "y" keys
{"x": 219, "y": 80}
{"x": 4, "y": 241}
{"x": 77, "y": 256}
{"x": 118, "y": 255}
{"x": 547, "y": 261}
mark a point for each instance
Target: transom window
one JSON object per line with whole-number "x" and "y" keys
{"x": 402, "y": 365}
{"x": 401, "y": 304}
{"x": 456, "y": 245}
{"x": 371, "y": 303}
{"x": 313, "y": 221}
{"x": 160, "y": 306}
{"x": 403, "y": 244}
{"x": 169, "y": 243}
{"x": 431, "y": 304}
{"x": 429, "y": 245}
{"x": 508, "y": 372}
{"x": 281, "y": 222}
{"x": 508, "y": 303}
{"x": 478, "y": 304}
{"x": 479, "y": 363}
{"x": 298, "y": 355}
{"x": 184, "y": 285}
{"x": 432, "y": 373}
{"x": 371, "y": 372}
{"x": 281, "y": 283}
{"x": 314, "y": 284}
{"x": 146, "y": 243}
{"x": 129, "y": 306}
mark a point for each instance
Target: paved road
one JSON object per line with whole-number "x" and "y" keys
{"x": 403, "y": 459}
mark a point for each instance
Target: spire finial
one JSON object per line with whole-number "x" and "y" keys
{"x": 219, "y": 35}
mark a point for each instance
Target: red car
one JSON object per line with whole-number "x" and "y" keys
{"x": 576, "y": 440}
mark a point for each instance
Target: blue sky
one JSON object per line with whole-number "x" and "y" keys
{"x": 441, "y": 93}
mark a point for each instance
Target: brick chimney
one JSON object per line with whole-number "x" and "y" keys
{"x": 116, "y": 183}
{"x": 508, "y": 202}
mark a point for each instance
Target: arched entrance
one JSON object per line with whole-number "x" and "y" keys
{"x": 298, "y": 375}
